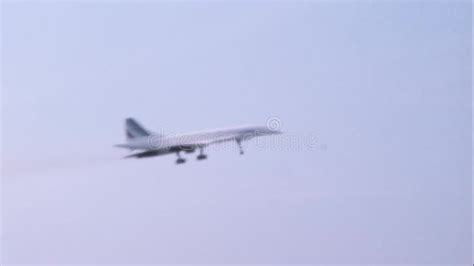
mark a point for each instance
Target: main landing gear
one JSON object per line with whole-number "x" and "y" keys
{"x": 180, "y": 159}
{"x": 201, "y": 155}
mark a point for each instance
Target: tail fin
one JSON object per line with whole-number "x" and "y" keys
{"x": 133, "y": 129}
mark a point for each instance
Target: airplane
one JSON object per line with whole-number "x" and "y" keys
{"x": 151, "y": 144}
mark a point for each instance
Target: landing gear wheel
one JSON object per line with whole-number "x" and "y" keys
{"x": 180, "y": 159}
{"x": 201, "y": 157}
{"x": 239, "y": 142}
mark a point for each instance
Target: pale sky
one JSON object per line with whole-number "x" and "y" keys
{"x": 383, "y": 87}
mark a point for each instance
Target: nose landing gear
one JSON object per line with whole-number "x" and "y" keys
{"x": 239, "y": 142}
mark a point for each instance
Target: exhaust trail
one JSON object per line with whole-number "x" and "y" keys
{"x": 20, "y": 168}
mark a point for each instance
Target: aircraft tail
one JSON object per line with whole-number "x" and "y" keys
{"x": 133, "y": 129}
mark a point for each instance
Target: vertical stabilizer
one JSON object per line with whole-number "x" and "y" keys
{"x": 133, "y": 129}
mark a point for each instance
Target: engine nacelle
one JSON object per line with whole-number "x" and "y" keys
{"x": 189, "y": 150}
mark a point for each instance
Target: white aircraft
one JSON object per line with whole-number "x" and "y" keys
{"x": 151, "y": 144}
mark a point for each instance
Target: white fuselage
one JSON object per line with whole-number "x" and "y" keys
{"x": 196, "y": 139}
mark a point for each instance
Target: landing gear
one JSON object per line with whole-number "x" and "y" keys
{"x": 180, "y": 159}
{"x": 201, "y": 155}
{"x": 239, "y": 142}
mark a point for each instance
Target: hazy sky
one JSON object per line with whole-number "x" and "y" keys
{"x": 383, "y": 87}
